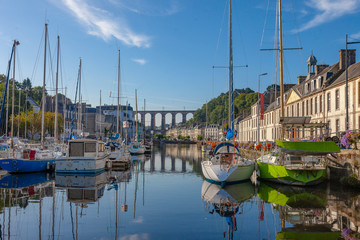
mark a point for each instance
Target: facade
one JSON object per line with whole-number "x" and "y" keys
{"x": 320, "y": 94}
{"x": 212, "y": 132}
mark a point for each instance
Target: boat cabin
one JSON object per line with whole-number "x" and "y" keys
{"x": 86, "y": 148}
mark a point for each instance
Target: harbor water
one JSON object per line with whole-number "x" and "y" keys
{"x": 164, "y": 196}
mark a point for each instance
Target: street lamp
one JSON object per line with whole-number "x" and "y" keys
{"x": 258, "y": 123}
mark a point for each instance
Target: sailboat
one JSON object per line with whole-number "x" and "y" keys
{"x": 31, "y": 159}
{"x": 136, "y": 147}
{"x": 225, "y": 164}
{"x": 295, "y": 162}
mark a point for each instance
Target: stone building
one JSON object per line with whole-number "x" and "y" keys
{"x": 320, "y": 94}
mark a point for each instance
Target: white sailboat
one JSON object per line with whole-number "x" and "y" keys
{"x": 225, "y": 164}
{"x": 136, "y": 147}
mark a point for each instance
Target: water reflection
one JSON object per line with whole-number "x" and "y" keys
{"x": 302, "y": 211}
{"x": 164, "y": 196}
{"x": 227, "y": 201}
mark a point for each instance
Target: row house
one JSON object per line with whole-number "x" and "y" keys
{"x": 321, "y": 94}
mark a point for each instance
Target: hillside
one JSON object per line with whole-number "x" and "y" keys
{"x": 218, "y": 107}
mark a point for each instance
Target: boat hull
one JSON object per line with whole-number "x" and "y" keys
{"x": 13, "y": 165}
{"x": 300, "y": 177}
{"x": 219, "y": 173}
{"x": 136, "y": 150}
{"x": 80, "y": 165}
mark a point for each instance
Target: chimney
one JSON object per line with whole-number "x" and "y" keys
{"x": 319, "y": 68}
{"x": 301, "y": 79}
{"x": 351, "y": 57}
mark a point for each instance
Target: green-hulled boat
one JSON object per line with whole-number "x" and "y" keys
{"x": 297, "y": 162}
{"x": 308, "y": 147}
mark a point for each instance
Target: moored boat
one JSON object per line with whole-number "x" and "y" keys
{"x": 85, "y": 156}
{"x": 227, "y": 165}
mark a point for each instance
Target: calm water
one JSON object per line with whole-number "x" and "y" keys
{"x": 165, "y": 197}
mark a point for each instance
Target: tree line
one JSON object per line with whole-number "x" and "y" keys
{"x": 27, "y": 113}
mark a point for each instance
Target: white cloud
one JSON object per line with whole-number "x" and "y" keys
{"x": 329, "y": 10}
{"x": 139, "y": 220}
{"x": 150, "y": 8}
{"x": 141, "y": 236}
{"x": 355, "y": 36}
{"x": 100, "y": 23}
{"x": 140, "y": 61}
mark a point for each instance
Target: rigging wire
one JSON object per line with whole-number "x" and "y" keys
{"x": 37, "y": 57}
{"x": 298, "y": 37}
{"x": 218, "y": 41}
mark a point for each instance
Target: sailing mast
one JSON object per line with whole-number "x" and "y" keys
{"x": 56, "y": 92}
{"x": 281, "y": 65}
{"x": 18, "y": 128}
{"x": 118, "y": 97}
{"x": 79, "y": 106}
{"x": 231, "y": 104}
{"x": 136, "y": 117}
{"x": 43, "y": 93}
{"x": 100, "y": 115}
{"x": 13, "y": 97}
{"x": 64, "y": 110}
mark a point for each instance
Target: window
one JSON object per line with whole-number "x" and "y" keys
{"x": 328, "y": 102}
{"x": 297, "y": 110}
{"x": 359, "y": 93}
{"x": 311, "y": 106}
{"x": 320, "y": 104}
{"x": 307, "y": 107}
{"x": 314, "y": 84}
{"x": 90, "y": 147}
{"x": 303, "y": 109}
{"x": 337, "y": 126}
{"x": 337, "y": 99}
{"x": 315, "y": 105}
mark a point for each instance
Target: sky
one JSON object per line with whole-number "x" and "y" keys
{"x": 169, "y": 47}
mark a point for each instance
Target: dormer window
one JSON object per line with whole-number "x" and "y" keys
{"x": 320, "y": 82}
{"x": 314, "y": 84}
{"x": 278, "y": 101}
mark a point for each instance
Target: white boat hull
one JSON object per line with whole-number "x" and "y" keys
{"x": 80, "y": 165}
{"x": 222, "y": 173}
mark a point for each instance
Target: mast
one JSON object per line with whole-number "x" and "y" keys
{"x": 118, "y": 96}
{"x": 136, "y": 116}
{"x": 64, "y": 110}
{"x": 13, "y": 99}
{"x": 281, "y": 63}
{"x": 6, "y": 95}
{"x": 43, "y": 93}
{"x": 231, "y": 104}
{"x": 56, "y": 92}
{"x": 79, "y": 106}
{"x": 144, "y": 121}
{"x": 100, "y": 115}
{"x": 18, "y": 128}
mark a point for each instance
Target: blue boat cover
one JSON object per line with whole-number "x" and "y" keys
{"x": 114, "y": 137}
{"x": 225, "y": 144}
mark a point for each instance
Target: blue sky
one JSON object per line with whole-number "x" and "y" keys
{"x": 168, "y": 47}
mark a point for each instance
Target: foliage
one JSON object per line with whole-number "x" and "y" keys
{"x": 33, "y": 123}
{"x": 200, "y": 138}
{"x": 217, "y": 108}
{"x": 158, "y": 136}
